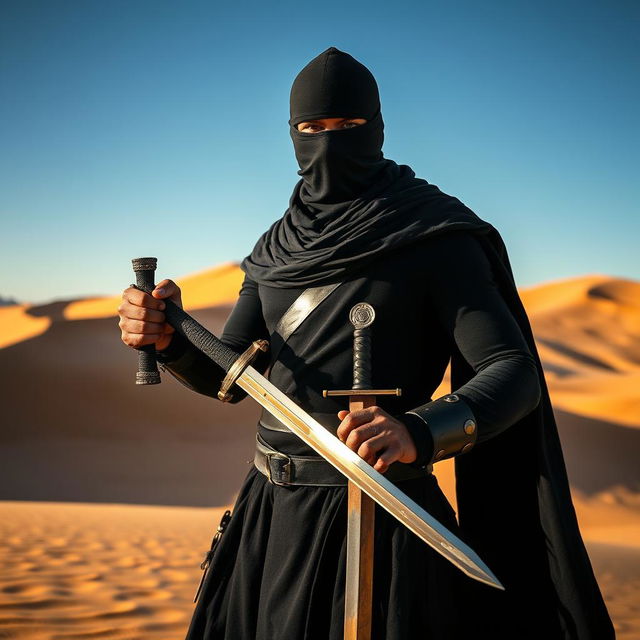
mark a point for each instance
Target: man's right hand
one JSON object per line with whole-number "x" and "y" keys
{"x": 142, "y": 319}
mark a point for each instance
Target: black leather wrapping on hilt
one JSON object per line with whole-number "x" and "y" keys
{"x": 361, "y": 317}
{"x": 147, "y": 373}
{"x": 196, "y": 334}
{"x": 362, "y": 358}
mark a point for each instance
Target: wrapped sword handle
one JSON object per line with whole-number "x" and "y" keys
{"x": 192, "y": 330}
{"x": 147, "y": 373}
{"x": 362, "y": 316}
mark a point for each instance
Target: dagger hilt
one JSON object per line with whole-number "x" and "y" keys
{"x": 147, "y": 373}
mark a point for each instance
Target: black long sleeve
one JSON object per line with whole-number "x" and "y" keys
{"x": 474, "y": 315}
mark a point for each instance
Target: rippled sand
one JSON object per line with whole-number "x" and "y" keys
{"x": 129, "y": 572}
{"x": 99, "y": 571}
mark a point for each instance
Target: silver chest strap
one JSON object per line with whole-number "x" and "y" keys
{"x": 300, "y": 309}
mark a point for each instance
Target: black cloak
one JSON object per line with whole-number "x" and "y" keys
{"x": 350, "y": 207}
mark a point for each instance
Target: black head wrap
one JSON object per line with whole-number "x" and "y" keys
{"x": 336, "y": 166}
{"x": 352, "y": 203}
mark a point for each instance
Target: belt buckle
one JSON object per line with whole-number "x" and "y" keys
{"x": 286, "y": 467}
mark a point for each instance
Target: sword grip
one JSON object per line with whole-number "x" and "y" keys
{"x": 147, "y": 373}
{"x": 362, "y": 358}
{"x": 194, "y": 332}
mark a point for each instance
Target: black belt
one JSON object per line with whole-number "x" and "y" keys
{"x": 285, "y": 470}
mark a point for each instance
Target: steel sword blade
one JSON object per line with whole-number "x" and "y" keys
{"x": 366, "y": 478}
{"x": 363, "y": 475}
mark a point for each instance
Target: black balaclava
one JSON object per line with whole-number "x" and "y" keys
{"x": 336, "y": 165}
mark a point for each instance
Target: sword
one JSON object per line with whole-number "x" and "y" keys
{"x": 361, "y": 511}
{"x": 309, "y": 430}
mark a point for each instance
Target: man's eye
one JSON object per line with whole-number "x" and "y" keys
{"x": 348, "y": 125}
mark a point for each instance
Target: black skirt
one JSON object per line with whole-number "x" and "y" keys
{"x": 278, "y": 571}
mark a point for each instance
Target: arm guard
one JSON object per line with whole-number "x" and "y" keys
{"x": 451, "y": 425}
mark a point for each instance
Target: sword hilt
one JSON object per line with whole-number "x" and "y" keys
{"x": 362, "y": 316}
{"x": 233, "y": 363}
{"x": 147, "y": 373}
{"x": 196, "y": 334}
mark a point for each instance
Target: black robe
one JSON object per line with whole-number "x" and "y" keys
{"x": 279, "y": 569}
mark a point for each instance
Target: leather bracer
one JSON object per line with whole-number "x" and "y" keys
{"x": 451, "y": 424}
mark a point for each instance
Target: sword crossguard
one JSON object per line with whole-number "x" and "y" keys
{"x": 361, "y": 392}
{"x": 239, "y": 366}
{"x": 361, "y": 317}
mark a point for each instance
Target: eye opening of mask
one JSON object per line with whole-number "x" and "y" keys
{"x": 311, "y": 119}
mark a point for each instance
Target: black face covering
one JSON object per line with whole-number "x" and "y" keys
{"x": 336, "y": 165}
{"x": 352, "y": 204}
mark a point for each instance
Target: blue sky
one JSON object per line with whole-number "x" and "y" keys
{"x": 132, "y": 128}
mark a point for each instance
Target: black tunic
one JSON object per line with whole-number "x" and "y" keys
{"x": 278, "y": 572}
{"x": 429, "y": 298}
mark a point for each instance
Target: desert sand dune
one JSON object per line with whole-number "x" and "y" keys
{"x": 588, "y": 334}
{"x": 77, "y": 430}
{"x": 81, "y": 430}
{"x": 226, "y": 279}
{"x": 17, "y": 325}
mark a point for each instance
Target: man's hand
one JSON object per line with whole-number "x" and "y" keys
{"x": 142, "y": 319}
{"x": 376, "y": 437}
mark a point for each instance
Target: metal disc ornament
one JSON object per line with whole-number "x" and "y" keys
{"x": 362, "y": 315}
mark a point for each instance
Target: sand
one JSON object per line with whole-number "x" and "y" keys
{"x": 17, "y": 324}
{"x": 72, "y": 571}
{"x": 110, "y": 492}
{"x": 130, "y": 572}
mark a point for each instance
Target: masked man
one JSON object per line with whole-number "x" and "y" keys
{"x": 440, "y": 282}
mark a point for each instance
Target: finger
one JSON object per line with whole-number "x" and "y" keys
{"x": 166, "y": 289}
{"x": 142, "y": 299}
{"x": 137, "y": 340}
{"x": 362, "y": 433}
{"x": 139, "y": 326}
{"x": 168, "y": 328}
{"x": 369, "y": 449}
{"x": 386, "y": 458}
{"x": 134, "y": 312}
{"x": 342, "y": 414}
{"x": 355, "y": 419}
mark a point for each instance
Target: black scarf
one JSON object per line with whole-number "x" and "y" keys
{"x": 352, "y": 206}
